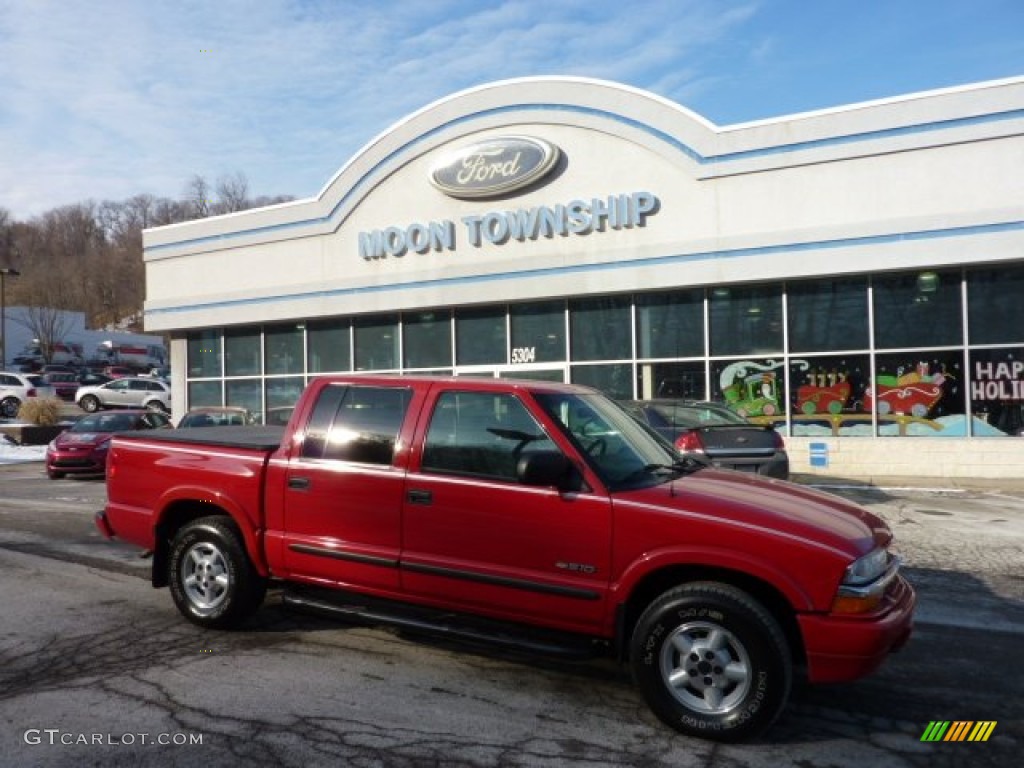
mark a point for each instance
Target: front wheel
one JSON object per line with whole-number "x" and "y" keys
{"x": 9, "y": 407}
{"x": 89, "y": 403}
{"x": 212, "y": 581}
{"x": 712, "y": 662}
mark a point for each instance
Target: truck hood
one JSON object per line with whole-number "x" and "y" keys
{"x": 781, "y": 507}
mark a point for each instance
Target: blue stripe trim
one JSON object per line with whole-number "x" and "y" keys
{"x": 932, "y": 234}
{"x": 662, "y": 136}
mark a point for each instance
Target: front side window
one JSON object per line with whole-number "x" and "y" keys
{"x": 481, "y": 434}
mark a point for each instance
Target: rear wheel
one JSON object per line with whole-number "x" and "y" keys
{"x": 89, "y": 403}
{"x": 156, "y": 405}
{"x": 212, "y": 580}
{"x": 9, "y": 407}
{"x": 712, "y": 662}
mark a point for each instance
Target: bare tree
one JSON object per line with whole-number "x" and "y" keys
{"x": 233, "y": 193}
{"x": 47, "y": 325}
{"x": 197, "y": 196}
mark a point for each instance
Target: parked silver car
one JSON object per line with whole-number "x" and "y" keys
{"x": 16, "y": 388}
{"x": 126, "y": 392}
{"x": 717, "y": 433}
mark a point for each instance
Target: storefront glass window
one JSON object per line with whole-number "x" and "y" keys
{"x": 600, "y": 328}
{"x": 376, "y": 342}
{"x": 753, "y": 387}
{"x": 242, "y": 351}
{"x": 995, "y": 309}
{"x": 686, "y": 380}
{"x": 427, "y": 340}
{"x": 997, "y": 392}
{"x": 246, "y": 393}
{"x": 284, "y": 348}
{"x": 828, "y": 315}
{"x": 616, "y": 380}
{"x": 204, "y": 393}
{"x": 538, "y": 332}
{"x": 746, "y": 320}
{"x": 827, "y": 395}
{"x": 282, "y": 393}
{"x": 917, "y": 309}
{"x": 329, "y": 347}
{"x": 919, "y": 394}
{"x": 204, "y": 354}
{"x": 480, "y": 336}
{"x": 670, "y": 324}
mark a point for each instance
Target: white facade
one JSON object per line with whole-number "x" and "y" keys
{"x": 646, "y": 198}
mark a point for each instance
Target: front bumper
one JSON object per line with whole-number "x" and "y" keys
{"x": 842, "y": 647}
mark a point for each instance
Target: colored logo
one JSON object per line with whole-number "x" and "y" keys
{"x": 494, "y": 167}
{"x": 958, "y": 730}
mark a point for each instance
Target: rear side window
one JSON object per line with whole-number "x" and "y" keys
{"x": 351, "y": 423}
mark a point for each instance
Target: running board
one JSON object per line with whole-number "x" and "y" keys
{"x": 445, "y": 624}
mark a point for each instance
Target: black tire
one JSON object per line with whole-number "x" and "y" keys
{"x": 212, "y": 580}
{"x": 712, "y": 662}
{"x": 55, "y": 475}
{"x": 156, "y": 405}
{"x": 89, "y": 404}
{"x": 9, "y": 407}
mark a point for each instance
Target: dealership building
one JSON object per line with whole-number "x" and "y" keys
{"x": 853, "y": 276}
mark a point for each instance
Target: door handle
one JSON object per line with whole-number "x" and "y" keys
{"x": 420, "y": 497}
{"x": 299, "y": 483}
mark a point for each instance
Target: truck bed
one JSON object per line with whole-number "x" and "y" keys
{"x": 258, "y": 438}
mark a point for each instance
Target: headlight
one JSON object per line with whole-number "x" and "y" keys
{"x": 865, "y": 582}
{"x": 867, "y": 569}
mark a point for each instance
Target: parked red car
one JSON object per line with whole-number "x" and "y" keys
{"x": 83, "y": 448}
{"x": 65, "y": 385}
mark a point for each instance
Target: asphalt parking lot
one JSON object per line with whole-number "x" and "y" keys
{"x": 86, "y": 630}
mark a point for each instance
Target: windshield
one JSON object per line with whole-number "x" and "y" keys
{"x": 105, "y": 422}
{"x": 622, "y": 452}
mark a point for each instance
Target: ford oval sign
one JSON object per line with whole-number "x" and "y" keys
{"x": 494, "y": 167}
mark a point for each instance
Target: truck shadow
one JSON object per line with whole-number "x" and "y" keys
{"x": 965, "y": 661}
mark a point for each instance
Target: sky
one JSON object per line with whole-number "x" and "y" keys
{"x": 108, "y": 99}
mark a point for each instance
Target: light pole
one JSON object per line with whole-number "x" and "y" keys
{"x": 4, "y": 272}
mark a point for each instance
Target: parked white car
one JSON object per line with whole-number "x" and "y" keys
{"x": 126, "y": 392}
{"x": 16, "y": 388}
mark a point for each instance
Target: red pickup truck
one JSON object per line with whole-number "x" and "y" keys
{"x": 531, "y": 513}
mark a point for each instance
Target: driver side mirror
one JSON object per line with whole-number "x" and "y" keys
{"x": 547, "y": 468}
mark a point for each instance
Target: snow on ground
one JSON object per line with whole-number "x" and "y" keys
{"x": 11, "y": 453}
